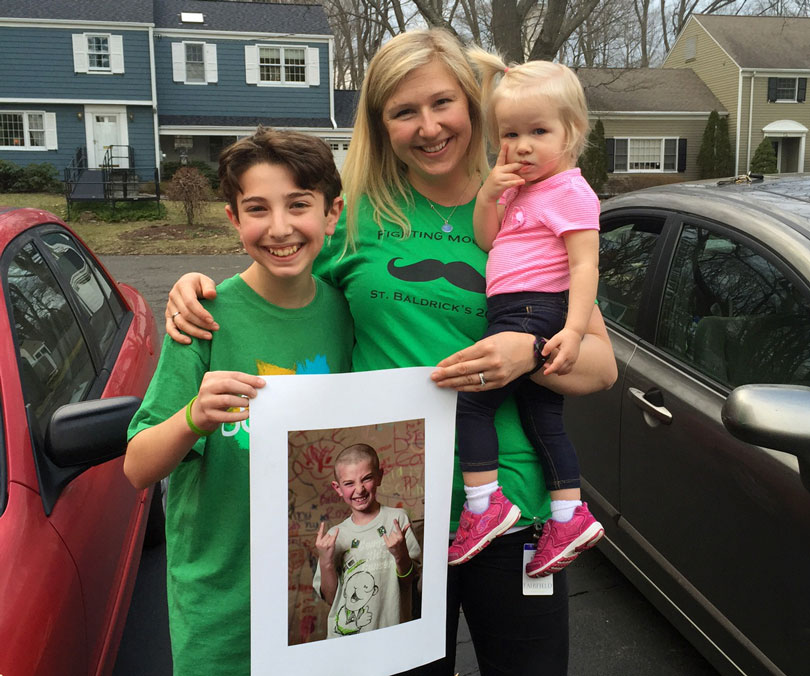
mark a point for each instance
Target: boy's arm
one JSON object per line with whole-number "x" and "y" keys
{"x": 154, "y": 452}
{"x": 325, "y": 544}
{"x": 398, "y": 548}
{"x": 583, "y": 264}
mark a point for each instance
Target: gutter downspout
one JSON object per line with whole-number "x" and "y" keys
{"x": 331, "y": 45}
{"x": 739, "y": 108}
{"x": 750, "y": 121}
{"x": 154, "y": 97}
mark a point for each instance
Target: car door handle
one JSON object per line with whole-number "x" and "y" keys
{"x": 639, "y": 398}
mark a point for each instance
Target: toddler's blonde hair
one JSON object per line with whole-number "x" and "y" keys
{"x": 553, "y": 81}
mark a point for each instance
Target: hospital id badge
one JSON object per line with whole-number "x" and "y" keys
{"x": 535, "y": 586}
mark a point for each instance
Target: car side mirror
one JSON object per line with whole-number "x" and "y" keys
{"x": 80, "y": 436}
{"x": 773, "y": 416}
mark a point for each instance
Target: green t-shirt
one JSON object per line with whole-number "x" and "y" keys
{"x": 208, "y": 508}
{"x": 419, "y": 299}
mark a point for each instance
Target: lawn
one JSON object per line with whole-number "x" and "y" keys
{"x": 169, "y": 234}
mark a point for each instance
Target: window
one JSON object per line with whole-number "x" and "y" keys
{"x": 787, "y": 89}
{"x": 733, "y": 314}
{"x": 194, "y": 62}
{"x": 98, "y": 53}
{"x": 690, "y": 48}
{"x": 625, "y": 251}
{"x": 282, "y": 65}
{"x": 647, "y": 154}
{"x": 34, "y": 130}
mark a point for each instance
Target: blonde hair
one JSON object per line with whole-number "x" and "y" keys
{"x": 553, "y": 81}
{"x": 371, "y": 167}
{"x": 357, "y": 453}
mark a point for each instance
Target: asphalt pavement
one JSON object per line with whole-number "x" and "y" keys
{"x": 614, "y": 630}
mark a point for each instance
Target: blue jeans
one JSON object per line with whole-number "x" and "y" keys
{"x": 541, "y": 410}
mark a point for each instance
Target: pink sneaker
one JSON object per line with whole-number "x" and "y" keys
{"x": 561, "y": 543}
{"x": 476, "y": 531}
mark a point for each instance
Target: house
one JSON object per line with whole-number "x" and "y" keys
{"x": 758, "y": 68}
{"x": 654, "y": 121}
{"x": 121, "y": 87}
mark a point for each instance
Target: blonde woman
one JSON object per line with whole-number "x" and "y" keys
{"x": 406, "y": 259}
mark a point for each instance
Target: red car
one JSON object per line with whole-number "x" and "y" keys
{"x": 77, "y": 351}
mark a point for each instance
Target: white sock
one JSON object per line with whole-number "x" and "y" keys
{"x": 478, "y": 497}
{"x": 563, "y": 510}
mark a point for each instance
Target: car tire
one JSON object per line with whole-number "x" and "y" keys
{"x": 155, "y": 534}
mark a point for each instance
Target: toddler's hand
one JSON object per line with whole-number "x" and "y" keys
{"x": 504, "y": 175}
{"x": 567, "y": 343}
{"x": 396, "y": 542}
{"x": 325, "y": 544}
{"x": 223, "y": 398}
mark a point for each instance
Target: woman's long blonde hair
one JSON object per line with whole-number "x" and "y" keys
{"x": 371, "y": 167}
{"x": 553, "y": 81}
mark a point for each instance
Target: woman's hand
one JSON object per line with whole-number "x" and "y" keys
{"x": 500, "y": 358}
{"x": 224, "y": 398}
{"x": 184, "y": 312}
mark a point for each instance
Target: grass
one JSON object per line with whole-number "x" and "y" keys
{"x": 168, "y": 234}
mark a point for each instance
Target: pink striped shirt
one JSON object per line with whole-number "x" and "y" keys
{"x": 529, "y": 252}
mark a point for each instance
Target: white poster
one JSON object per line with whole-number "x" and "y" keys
{"x": 298, "y": 426}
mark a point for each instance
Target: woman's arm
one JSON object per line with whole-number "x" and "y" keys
{"x": 505, "y": 356}
{"x": 184, "y": 311}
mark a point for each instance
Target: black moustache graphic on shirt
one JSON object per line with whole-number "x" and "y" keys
{"x": 457, "y": 273}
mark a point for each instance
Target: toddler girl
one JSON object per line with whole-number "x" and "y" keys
{"x": 539, "y": 220}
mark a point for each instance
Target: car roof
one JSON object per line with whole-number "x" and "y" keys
{"x": 14, "y": 220}
{"x": 783, "y": 199}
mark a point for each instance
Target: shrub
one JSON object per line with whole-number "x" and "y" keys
{"x": 764, "y": 160}
{"x": 715, "y": 158}
{"x": 168, "y": 169}
{"x": 122, "y": 213}
{"x": 191, "y": 188}
{"x": 38, "y": 178}
{"x": 9, "y": 175}
{"x": 594, "y": 160}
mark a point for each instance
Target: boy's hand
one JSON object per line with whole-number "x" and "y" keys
{"x": 325, "y": 544}
{"x": 567, "y": 343}
{"x": 224, "y": 398}
{"x": 396, "y": 544}
{"x": 504, "y": 175}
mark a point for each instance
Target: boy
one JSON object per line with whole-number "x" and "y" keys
{"x": 367, "y": 562}
{"x": 283, "y": 194}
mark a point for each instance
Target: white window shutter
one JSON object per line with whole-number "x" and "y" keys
{"x": 117, "y": 53}
{"x": 210, "y": 63}
{"x": 80, "y": 62}
{"x": 251, "y": 64}
{"x": 313, "y": 67}
{"x": 178, "y": 62}
{"x": 50, "y": 131}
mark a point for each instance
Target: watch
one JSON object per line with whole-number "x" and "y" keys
{"x": 539, "y": 358}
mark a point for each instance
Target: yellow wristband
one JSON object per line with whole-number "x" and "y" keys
{"x": 410, "y": 570}
{"x": 199, "y": 432}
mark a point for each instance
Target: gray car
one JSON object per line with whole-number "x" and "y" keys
{"x": 697, "y": 461}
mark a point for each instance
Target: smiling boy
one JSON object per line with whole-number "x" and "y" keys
{"x": 283, "y": 194}
{"x": 368, "y": 561}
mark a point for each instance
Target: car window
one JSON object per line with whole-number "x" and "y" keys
{"x": 625, "y": 250}
{"x": 55, "y": 365}
{"x": 92, "y": 290}
{"x": 733, "y": 314}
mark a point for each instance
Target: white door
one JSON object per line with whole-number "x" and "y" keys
{"x": 106, "y": 127}
{"x": 105, "y": 136}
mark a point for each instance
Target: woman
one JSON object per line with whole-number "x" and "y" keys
{"x": 409, "y": 267}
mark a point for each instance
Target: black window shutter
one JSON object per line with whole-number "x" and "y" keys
{"x": 801, "y": 90}
{"x": 771, "y": 89}
{"x": 681, "y": 155}
{"x": 610, "y": 145}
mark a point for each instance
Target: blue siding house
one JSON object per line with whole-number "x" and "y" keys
{"x": 131, "y": 84}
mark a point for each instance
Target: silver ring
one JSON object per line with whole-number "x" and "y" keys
{"x": 482, "y": 379}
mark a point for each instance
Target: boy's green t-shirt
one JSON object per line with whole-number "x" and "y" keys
{"x": 419, "y": 299}
{"x": 208, "y": 508}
